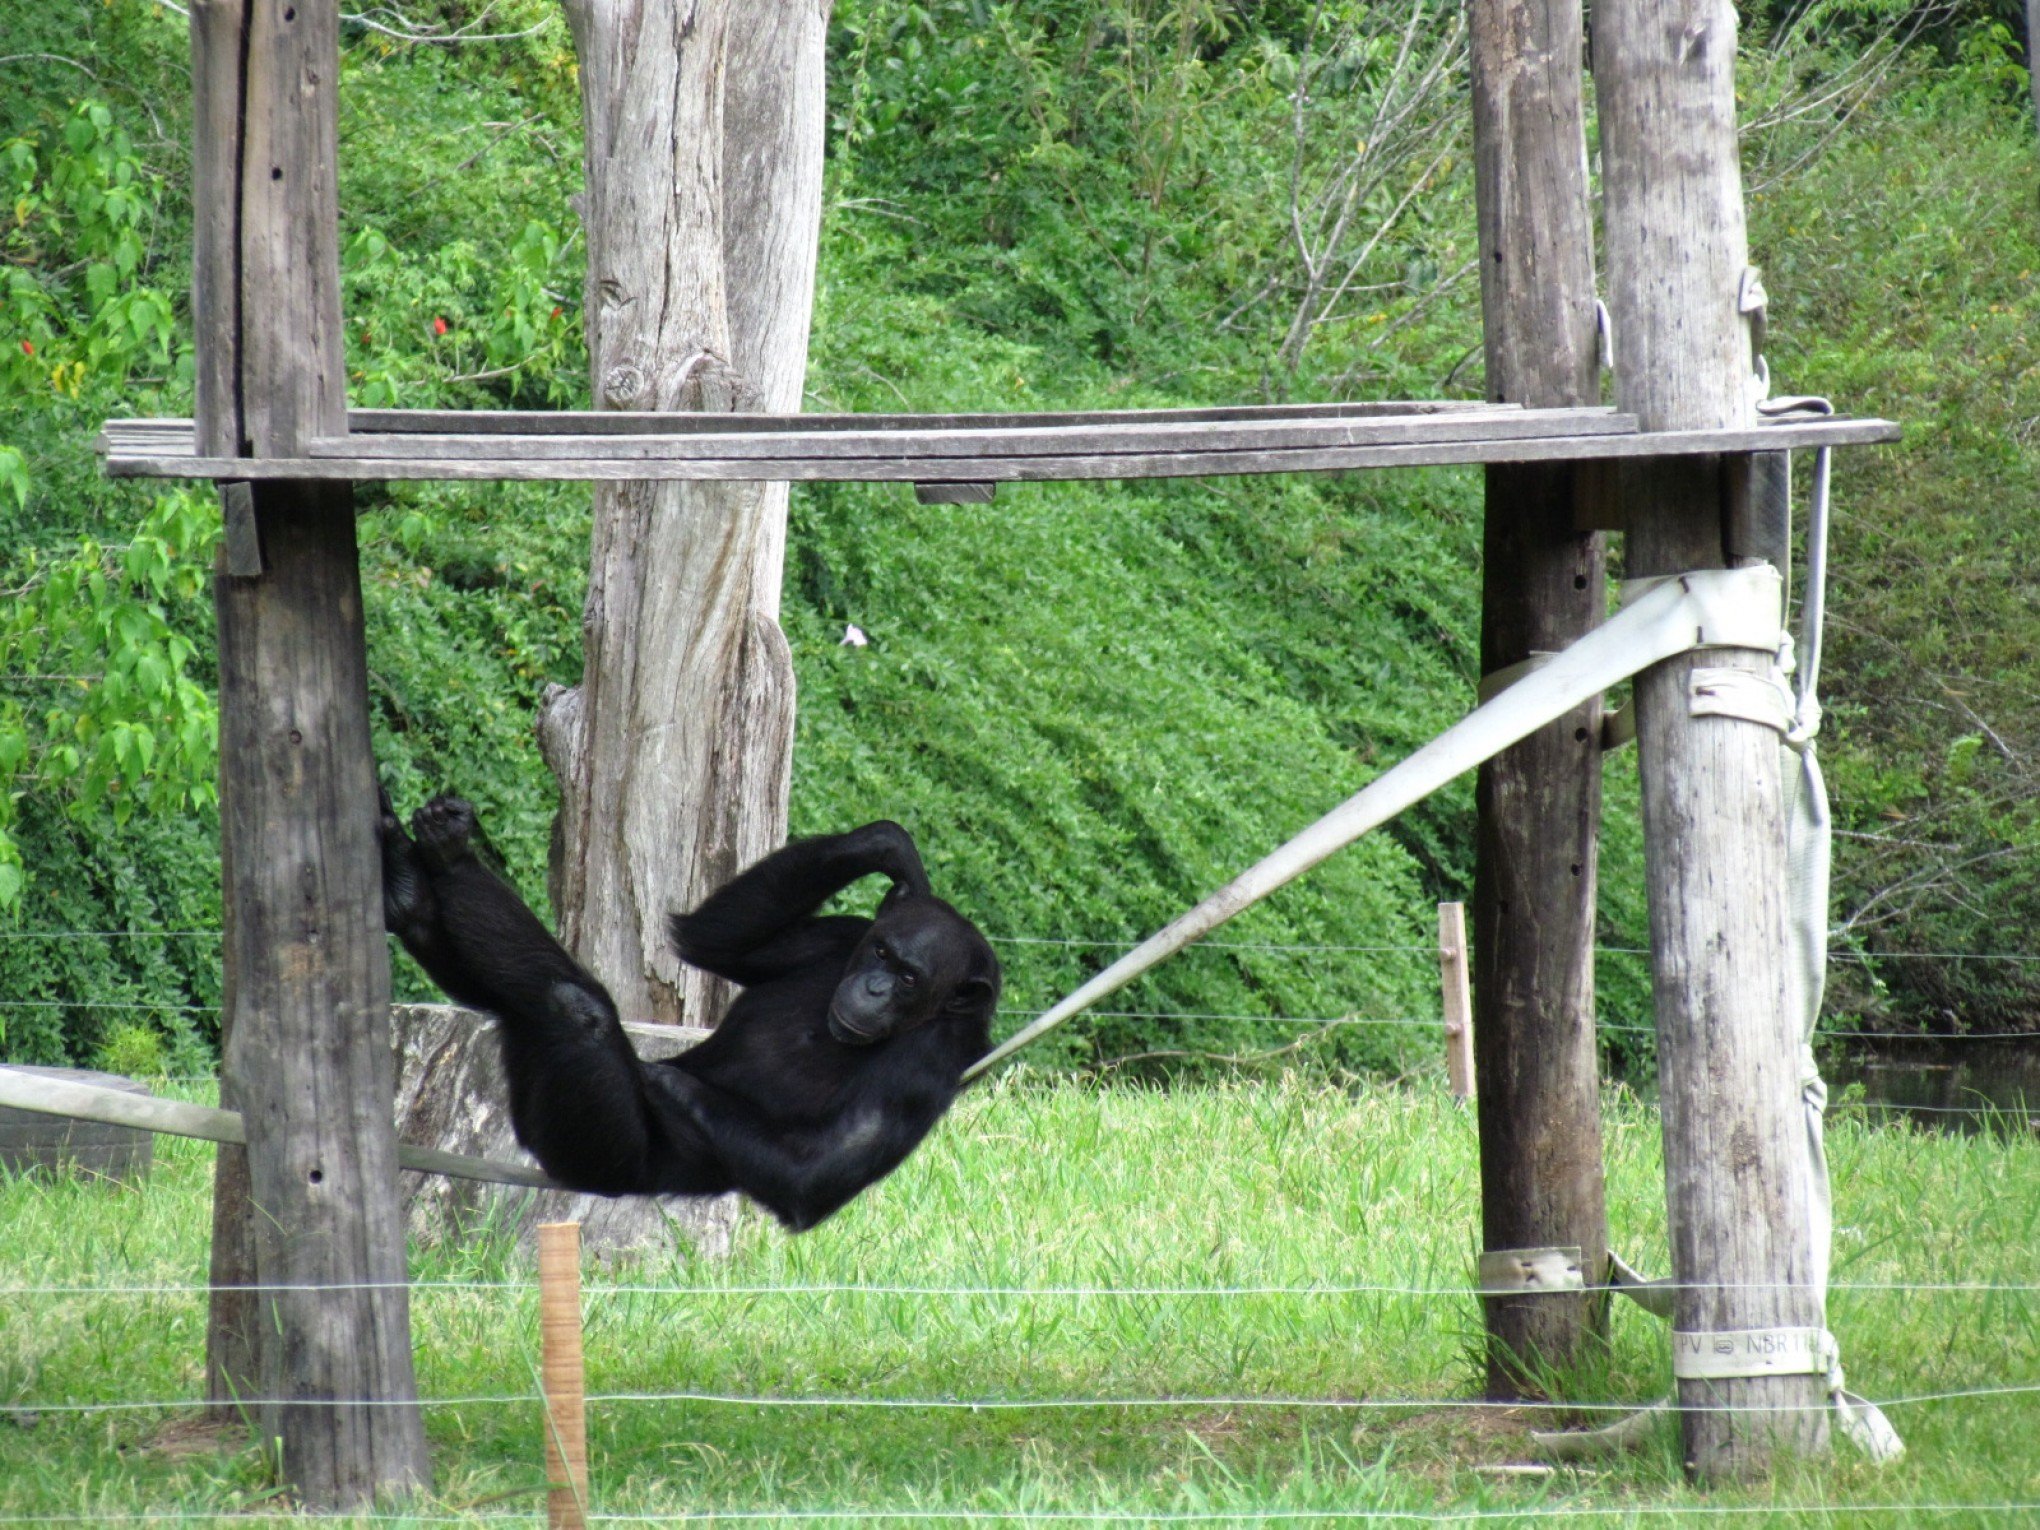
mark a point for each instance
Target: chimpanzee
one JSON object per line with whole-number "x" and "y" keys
{"x": 846, "y": 1045}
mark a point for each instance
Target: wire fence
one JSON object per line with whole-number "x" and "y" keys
{"x": 918, "y": 1290}
{"x": 1826, "y": 1511}
{"x": 862, "y": 1402}
{"x": 1405, "y": 948}
{"x": 2017, "y": 1292}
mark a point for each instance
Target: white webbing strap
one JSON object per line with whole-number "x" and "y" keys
{"x": 1752, "y": 1352}
{"x": 1808, "y": 854}
{"x": 1653, "y": 1296}
{"x": 1742, "y": 693}
{"x": 1710, "y": 608}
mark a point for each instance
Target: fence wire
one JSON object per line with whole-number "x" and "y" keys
{"x": 849, "y": 1402}
{"x": 1828, "y": 1511}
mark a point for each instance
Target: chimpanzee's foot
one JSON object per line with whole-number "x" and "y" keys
{"x": 443, "y": 827}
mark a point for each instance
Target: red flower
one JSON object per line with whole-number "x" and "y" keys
{"x": 439, "y": 326}
{"x": 558, "y": 311}
{"x": 28, "y": 347}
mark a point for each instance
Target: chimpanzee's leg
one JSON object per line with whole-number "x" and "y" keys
{"x": 760, "y": 925}
{"x": 577, "y": 1095}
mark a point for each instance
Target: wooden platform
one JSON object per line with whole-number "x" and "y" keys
{"x": 952, "y": 449}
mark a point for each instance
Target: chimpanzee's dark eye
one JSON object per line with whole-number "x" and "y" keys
{"x": 882, "y": 951}
{"x": 909, "y": 979}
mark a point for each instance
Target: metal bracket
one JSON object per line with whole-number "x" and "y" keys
{"x": 1530, "y": 1272}
{"x": 239, "y": 531}
{"x": 955, "y": 493}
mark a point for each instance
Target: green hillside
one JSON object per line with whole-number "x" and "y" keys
{"x": 1092, "y": 703}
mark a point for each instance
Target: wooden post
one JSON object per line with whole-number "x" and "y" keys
{"x": 1458, "y": 995}
{"x": 1538, "y": 804}
{"x": 561, "y": 1374}
{"x": 1737, "y": 1181}
{"x": 306, "y": 1016}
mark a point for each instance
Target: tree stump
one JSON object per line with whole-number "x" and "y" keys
{"x": 452, "y": 1094}
{"x": 30, "y": 1139}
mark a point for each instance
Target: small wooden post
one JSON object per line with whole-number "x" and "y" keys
{"x": 561, "y": 1374}
{"x": 1738, "y": 1185}
{"x": 1458, "y": 993}
{"x": 1543, "y": 584}
{"x": 305, "y": 1022}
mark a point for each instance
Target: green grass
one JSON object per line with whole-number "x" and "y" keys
{"x": 1051, "y": 1185}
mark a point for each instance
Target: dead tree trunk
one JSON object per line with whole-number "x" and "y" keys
{"x": 1737, "y": 1180}
{"x": 327, "y": 1343}
{"x": 1543, "y": 585}
{"x": 2033, "y": 54}
{"x": 703, "y": 204}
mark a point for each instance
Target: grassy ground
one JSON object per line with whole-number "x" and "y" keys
{"x": 1035, "y": 1185}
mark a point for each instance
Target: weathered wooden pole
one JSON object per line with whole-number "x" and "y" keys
{"x": 1538, "y": 804}
{"x": 306, "y": 1018}
{"x": 1737, "y": 1181}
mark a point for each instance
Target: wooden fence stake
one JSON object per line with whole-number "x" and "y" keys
{"x": 561, "y": 1374}
{"x": 1452, "y": 975}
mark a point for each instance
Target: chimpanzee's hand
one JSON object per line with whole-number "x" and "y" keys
{"x": 890, "y": 851}
{"x": 443, "y": 828}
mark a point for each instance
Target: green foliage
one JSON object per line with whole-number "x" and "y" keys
{"x": 134, "y": 1051}
{"x": 1907, "y": 269}
{"x": 76, "y": 301}
{"x": 102, "y": 708}
{"x": 1093, "y": 701}
{"x": 422, "y": 327}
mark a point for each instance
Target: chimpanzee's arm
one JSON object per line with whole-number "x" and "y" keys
{"x": 804, "y": 1173}
{"x": 761, "y": 924}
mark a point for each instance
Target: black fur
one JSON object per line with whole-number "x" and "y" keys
{"x": 846, "y": 1045}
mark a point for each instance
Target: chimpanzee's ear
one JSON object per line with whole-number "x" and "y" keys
{"x": 973, "y": 993}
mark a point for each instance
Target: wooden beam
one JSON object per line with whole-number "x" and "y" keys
{"x": 306, "y": 1014}
{"x": 151, "y": 454}
{"x": 1737, "y": 1178}
{"x": 577, "y": 422}
{"x": 178, "y": 1118}
{"x": 1071, "y": 440}
{"x": 1538, "y": 805}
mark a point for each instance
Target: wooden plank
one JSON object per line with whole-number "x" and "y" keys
{"x": 530, "y": 422}
{"x": 632, "y": 423}
{"x": 1738, "y": 1186}
{"x": 177, "y": 1118}
{"x": 147, "y": 462}
{"x": 966, "y": 445}
{"x": 1537, "y": 805}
